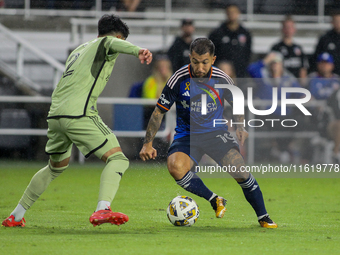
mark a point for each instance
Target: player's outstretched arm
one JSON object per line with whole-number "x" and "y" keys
{"x": 241, "y": 133}
{"x": 145, "y": 56}
{"x": 148, "y": 152}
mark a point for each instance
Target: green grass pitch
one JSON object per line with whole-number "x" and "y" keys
{"x": 306, "y": 210}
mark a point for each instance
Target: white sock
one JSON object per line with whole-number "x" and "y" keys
{"x": 18, "y": 212}
{"x": 102, "y": 205}
{"x": 213, "y": 195}
{"x": 262, "y": 216}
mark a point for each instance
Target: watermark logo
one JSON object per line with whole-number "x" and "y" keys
{"x": 239, "y": 102}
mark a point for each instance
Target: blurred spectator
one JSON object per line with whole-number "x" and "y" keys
{"x": 323, "y": 82}
{"x": 233, "y": 41}
{"x": 179, "y": 51}
{"x": 270, "y": 73}
{"x": 161, "y": 72}
{"x": 334, "y": 124}
{"x": 322, "y": 85}
{"x": 330, "y": 42}
{"x": 2, "y": 3}
{"x": 294, "y": 60}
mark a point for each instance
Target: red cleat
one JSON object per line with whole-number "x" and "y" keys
{"x": 10, "y": 222}
{"x": 107, "y": 216}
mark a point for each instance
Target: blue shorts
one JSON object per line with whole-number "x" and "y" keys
{"x": 215, "y": 144}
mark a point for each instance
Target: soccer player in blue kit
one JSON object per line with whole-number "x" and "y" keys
{"x": 195, "y": 134}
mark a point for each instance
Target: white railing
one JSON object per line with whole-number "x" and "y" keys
{"x": 23, "y": 45}
{"x": 170, "y": 121}
{"x": 168, "y": 130}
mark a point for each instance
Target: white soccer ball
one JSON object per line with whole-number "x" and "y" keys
{"x": 183, "y": 211}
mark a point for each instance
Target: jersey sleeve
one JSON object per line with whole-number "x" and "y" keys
{"x": 116, "y": 45}
{"x": 168, "y": 97}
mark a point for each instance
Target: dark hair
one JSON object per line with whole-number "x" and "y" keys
{"x": 112, "y": 24}
{"x": 202, "y": 45}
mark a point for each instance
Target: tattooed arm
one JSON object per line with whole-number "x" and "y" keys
{"x": 148, "y": 152}
{"x": 241, "y": 133}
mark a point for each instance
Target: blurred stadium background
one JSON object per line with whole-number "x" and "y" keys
{"x": 36, "y": 37}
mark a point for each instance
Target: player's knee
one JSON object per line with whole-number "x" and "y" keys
{"x": 56, "y": 171}
{"x": 177, "y": 169}
{"x": 119, "y": 159}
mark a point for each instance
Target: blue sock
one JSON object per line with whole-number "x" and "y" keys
{"x": 192, "y": 183}
{"x": 253, "y": 194}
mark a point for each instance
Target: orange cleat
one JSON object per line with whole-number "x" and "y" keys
{"x": 220, "y": 202}
{"x": 107, "y": 216}
{"x": 266, "y": 222}
{"x": 10, "y": 222}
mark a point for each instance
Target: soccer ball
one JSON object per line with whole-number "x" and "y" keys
{"x": 183, "y": 211}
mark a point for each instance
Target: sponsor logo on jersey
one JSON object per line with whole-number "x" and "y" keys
{"x": 293, "y": 62}
{"x": 164, "y": 100}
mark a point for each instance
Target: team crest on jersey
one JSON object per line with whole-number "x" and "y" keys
{"x": 215, "y": 95}
{"x": 242, "y": 39}
{"x": 297, "y": 51}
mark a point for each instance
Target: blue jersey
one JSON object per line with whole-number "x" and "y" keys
{"x": 323, "y": 88}
{"x": 186, "y": 91}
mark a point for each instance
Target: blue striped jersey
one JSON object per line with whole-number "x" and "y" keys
{"x": 187, "y": 92}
